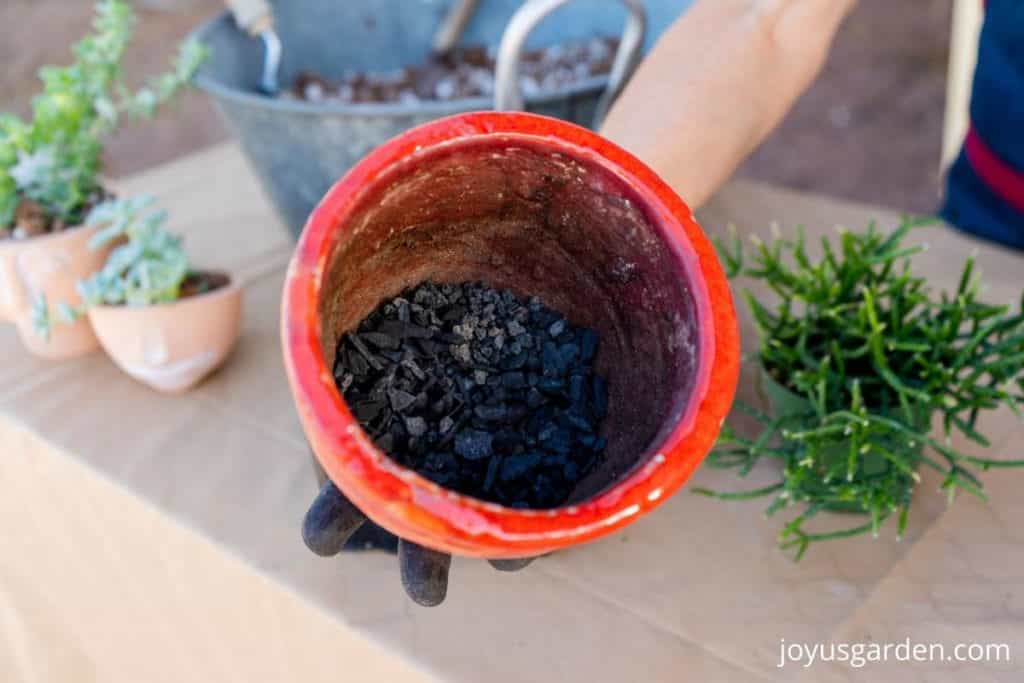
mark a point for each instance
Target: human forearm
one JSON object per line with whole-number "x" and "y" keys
{"x": 718, "y": 81}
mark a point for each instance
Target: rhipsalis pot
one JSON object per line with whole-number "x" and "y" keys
{"x": 858, "y": 355}
{"x": 50, "y": 165}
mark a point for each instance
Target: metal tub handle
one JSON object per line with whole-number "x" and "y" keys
{"x": 507, "y": 95}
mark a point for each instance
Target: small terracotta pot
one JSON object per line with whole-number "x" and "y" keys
{"x": 541, "y": 207}
{"x": 171, "y": 347}
{"x": 49, "y": 265}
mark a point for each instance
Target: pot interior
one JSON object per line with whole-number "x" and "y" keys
{"x": 518, "y": 214}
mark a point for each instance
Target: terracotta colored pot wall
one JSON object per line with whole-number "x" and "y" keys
{"x": 547, "y": 209}
{"x": 50, "y": 265}
{"x": 171, "y": 347}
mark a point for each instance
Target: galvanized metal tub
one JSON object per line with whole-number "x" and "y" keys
{"x": 299, "y": 149}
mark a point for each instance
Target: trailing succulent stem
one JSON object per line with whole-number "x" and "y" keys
{"x": 873, "y": 355}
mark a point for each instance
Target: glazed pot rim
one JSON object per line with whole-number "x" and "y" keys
{"x": 420, "y": 510}
{"x": 233, "y": 286}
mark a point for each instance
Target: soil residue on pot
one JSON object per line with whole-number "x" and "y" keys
{"x": 32, "y": 219}
{"x": 465, "y": 73}
{"x": 202, "y": 282}
{"x": 479, "y": 391}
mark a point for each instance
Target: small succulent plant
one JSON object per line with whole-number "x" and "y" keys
{"x": 148, "y": 269}
{"x": 148, "y": 266}
{"x": 50, "y": 165}
{"x": 871, "y": 354}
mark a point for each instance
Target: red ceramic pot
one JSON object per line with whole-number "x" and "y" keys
{"x": 544, "y": 208}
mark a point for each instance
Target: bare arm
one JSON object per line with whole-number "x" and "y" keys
{"x": 718, "y": 81}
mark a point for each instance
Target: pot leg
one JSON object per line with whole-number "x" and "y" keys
{"x": 424, "y": 572}
{"x": 330, "y": 521}
{"x": 511, "y": 565}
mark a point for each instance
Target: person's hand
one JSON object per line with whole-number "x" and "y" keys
{"x": 332, "y": 520}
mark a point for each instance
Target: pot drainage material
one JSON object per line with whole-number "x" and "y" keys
{"x": 467, "y": 72}
{"x": 479, "y": 391}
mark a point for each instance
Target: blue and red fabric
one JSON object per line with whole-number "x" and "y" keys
{"x": 985, "y": 187}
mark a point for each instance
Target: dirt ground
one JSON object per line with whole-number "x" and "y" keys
{"x": 869, "y": 129}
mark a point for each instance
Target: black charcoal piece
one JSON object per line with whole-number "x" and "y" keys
{"x": 492, "y": 472}
{"x": 514, "y": 362}
{"x": 491, "y": 413}
{"x": 381, "y": 340}
{"x": 393, "y": 356}
{"x": 429, "y": 347}
{"x": 358, "y": 365}
{"x": 570, "y": 471}
{"x": 539, "y": 419}
{"x": 473, "y": 444}
{"x": 400, "y": 400}
{"x": 414, "y": 369}
{"x": 367, "y": 411}
{"x": 506, "y": 440}
{"x": 567, "y": 354}
{"x": 416, "y": 426}
{"x": 534, "y": 399}
{"x": 577, "y": 387}
{"x": 513, "y": 380}
{"x": 516, "y": 412}
{"x": 479, "y": 391}
{"x": 560, "y": 441}
{"x": 551, "y": 385}
{"x": 439, "y": 461}
{"x": 402, "y": 306}
{"x": 515, "y": 466}
{"x": 364, "y": 352}
{"x": 578, "y": 422}
{"x": 546, "y": 432}
{"x": 550, "y": 361}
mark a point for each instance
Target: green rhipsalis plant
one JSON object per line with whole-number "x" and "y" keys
{"x": 149, "y": 267}
{"x": 867, "y": 354}
{"x": 50, "y": 165}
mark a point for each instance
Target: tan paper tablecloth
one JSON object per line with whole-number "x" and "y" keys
{"x": 152, "y": 538}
